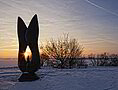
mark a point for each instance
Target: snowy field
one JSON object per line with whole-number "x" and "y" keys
{"x": 91, "y": 78}
{"x": 8, "y": 74}
{"x": 72, "y": 79}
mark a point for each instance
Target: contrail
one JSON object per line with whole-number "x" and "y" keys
{"x": 100, "y": 7}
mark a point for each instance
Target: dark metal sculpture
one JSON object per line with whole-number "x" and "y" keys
{"x": 28, "y": 36}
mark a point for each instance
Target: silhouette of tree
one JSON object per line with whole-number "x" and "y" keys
{"x": 104, "y": 59}
{"x": 114, "y": 59}
{"x": 64, "y": 49}
{"x": 93, "y": 59}
{"x": 43, "y": 57}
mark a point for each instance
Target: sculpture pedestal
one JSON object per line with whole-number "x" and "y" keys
{"x": 28, "y": 77}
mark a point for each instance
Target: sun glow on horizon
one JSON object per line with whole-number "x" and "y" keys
{"x": 27, "y": 52}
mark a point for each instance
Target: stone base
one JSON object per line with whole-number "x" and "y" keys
{"x": 28, "y": 77}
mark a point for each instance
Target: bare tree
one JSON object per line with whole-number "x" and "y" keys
{"x": 93, "y": 59}
{"x": 43, "y": 58}
{"x": 64, "y": 49}
{"x": 113, "y": 60}
{"x": 104, "y": 59}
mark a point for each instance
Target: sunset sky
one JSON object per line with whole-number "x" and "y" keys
{"x": 93, "y": 22}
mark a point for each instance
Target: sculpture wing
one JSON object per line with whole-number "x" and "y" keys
{"x": 21, "y": 30}
{"x": 33, "y": 30}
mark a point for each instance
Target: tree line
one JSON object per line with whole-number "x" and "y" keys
{"x": 66, "y": 52}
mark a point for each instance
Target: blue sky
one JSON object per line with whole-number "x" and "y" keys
{"x": 93, "y": 22}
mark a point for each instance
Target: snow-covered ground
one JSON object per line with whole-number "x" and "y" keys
{"x": 91, "y": 78}
{"x": 8, "y": 74}
{"x": 102, "y": 78}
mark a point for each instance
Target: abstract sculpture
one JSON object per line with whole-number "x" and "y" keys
{"x": 28, "y": 36}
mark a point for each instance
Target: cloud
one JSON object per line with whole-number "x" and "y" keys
{"x": 102, "y": 8}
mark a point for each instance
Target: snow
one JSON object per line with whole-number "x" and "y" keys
{"x": 8, "y": 62}
{"x": 91, "y": 78}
